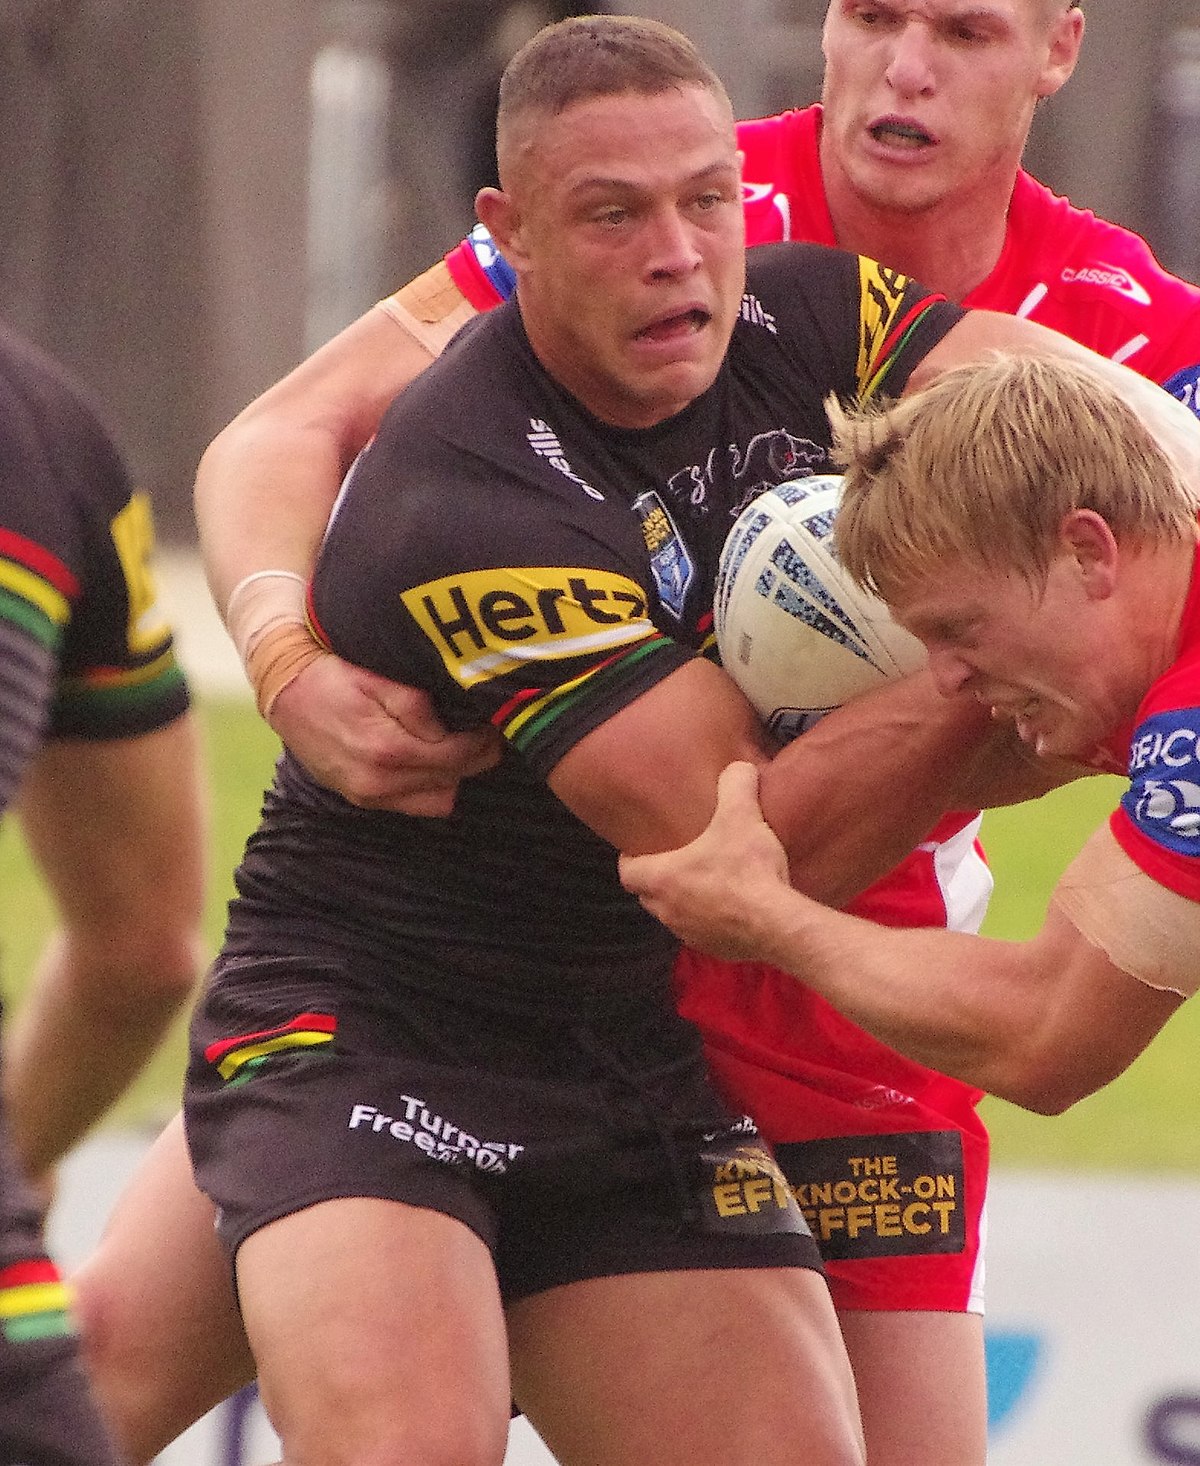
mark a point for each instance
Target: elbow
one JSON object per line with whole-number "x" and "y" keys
{"x": 1042, "y": 1084}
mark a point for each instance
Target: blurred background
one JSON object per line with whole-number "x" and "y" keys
{"x": 197, "y": 193}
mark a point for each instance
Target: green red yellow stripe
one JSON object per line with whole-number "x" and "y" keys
{"x": 894, "y": 344}
{"x": 34, "y": 1302}
{"x": 538, "y": 713}
{"x": 236, "y": 1058}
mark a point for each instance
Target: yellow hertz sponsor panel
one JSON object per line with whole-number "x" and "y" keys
{"x": 880, "y": 297}
{"x": 487, "y": 623}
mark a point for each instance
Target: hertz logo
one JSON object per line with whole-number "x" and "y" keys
{"x": 487, "y": 623}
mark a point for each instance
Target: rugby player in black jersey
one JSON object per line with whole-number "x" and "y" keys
{"x": 98, "y": 751}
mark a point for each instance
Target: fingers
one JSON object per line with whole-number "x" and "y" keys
{"x": 410, "y": 707}
{"x": 737, "y": 790}
{"x": 375, "y": 742}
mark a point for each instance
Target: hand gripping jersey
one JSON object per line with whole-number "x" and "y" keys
{"x": 86, "y": 653}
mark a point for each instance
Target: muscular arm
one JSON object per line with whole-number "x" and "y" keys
{"x": 266, "y": 483}
{"x": 1041, "y": 1023}
{"x": 117, "y": 829}
{"x": 263, "y": 493}
{"x": 848, "y": 803}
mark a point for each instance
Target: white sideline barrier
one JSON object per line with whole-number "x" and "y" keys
{"x": 1093, "y": 1319}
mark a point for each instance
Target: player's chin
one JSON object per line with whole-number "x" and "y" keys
{"x": 668, "y": 387}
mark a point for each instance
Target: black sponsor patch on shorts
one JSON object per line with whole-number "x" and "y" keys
{"x": 880, "y": 1195}
{"x": 744, "y": 1192}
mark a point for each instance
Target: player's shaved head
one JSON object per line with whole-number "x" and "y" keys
{"x": 591, "y": 56}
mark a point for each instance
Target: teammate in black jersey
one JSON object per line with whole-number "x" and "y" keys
{"x": 96, "y": 743}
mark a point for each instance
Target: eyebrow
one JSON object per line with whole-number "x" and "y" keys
{"x": 605, "y": 181}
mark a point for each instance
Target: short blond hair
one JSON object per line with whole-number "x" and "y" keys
{"x": 983, "y": 464}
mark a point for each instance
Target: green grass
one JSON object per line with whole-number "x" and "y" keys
{"x": 1146, "y": 1120}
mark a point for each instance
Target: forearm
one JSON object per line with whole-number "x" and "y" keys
{"x": 263, "y": 495}
{"x": 1042, "y": 1023}
{"x": 117, "y": 828}
{"x": 854, "y": 795}
{"x": 960, "y": 1004}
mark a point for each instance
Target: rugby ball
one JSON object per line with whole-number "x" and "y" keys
{"x": 795, "y": 633}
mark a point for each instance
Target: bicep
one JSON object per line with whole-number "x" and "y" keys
{"x": 646, "y": 779}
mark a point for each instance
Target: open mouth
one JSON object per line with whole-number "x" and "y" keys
{"x": 897, "y": 133}
{"x": 670, "y": 328}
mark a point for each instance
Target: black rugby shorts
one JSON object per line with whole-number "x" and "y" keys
{"x": 578, "y": 1138}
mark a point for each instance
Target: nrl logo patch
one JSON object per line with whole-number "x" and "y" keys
{"x": 671, "y": 564}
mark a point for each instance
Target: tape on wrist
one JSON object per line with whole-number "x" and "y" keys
{"x": 266, "y": 619}
{"x": 266, "y": 599}
{"x": 276, "y": 659}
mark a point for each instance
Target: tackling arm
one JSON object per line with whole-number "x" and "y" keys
{"x": 263, "y": 494}
{"x": 266, "y": 483}
{"x": 1041, "y": 1023}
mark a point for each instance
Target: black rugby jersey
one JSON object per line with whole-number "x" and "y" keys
{"x": 535, "y": 568}
{"x": 84, "y": 649}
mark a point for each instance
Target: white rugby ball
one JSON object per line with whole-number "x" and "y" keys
{"x": 795, "y": 633}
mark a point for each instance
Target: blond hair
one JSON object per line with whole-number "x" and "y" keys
{"x": 588, "y": 56}
{"x": 983, "y": 464}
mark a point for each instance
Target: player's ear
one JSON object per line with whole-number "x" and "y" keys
{"x": 1066, "y": 37}
{"x": 1088, "y": 538}
{"x": 500, "y": 214}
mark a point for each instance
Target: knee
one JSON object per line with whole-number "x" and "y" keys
{"x": 111, "y": 1368}
{"x": 146, "y": 1398}
{"x": 469, "y": 1436}
{"x": 144, "y": 976}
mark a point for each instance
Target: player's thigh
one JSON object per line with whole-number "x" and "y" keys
{"x": 735, "y": 1365}
{"x": 922, "y": 1386}
{"x": 161, "y": 1331}
{"x": 379, "y": 1335}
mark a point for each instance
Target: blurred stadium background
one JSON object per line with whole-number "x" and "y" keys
{"x": 198, "y": 193}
